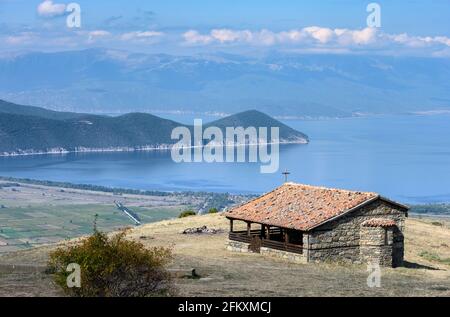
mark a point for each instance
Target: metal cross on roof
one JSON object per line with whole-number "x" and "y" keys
{"x": 286, "y": 174}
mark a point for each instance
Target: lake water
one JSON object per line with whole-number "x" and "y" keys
{"x": 406, "y": 158}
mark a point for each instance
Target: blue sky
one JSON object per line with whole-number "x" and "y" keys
{"x": 180, "y": 26}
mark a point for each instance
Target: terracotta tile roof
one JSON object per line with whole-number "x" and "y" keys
{"x": 379, "y": 222}
{"x": 300, "y": 207}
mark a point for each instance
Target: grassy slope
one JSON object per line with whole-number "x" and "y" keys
{"x": 232, "y": 274}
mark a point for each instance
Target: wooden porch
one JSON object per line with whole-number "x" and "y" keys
{"x": 281, "y": 239}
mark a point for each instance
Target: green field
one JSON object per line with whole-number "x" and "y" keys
{"x": 24, "y": 227}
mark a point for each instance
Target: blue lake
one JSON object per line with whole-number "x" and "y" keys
{"x": 406, "y": 158}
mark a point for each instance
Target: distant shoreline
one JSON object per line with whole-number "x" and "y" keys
{"x": 145, "y": 148}
{"x": 64, "y": 151}
{"x": 108, "y": 189}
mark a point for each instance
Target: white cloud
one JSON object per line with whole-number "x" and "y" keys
{"x": 418, "y": 41}
{"x": 312, "y": 34}
{"x": 317, "y": 38}
{"x": 356, "y": 37}
{"x": 93, "y": 35}
{"x": 194, "y": 37}
{"x": 225, "y": 35}
{"x": 442, "y": 39}
{"x": 323, "y": 35}
{"x": 20, "y": 39}
{"x": 314, "y": 39}
{"x": 50, "y": 9}
{"x": 140, "y": 35}
{"x": 365, "y": 36}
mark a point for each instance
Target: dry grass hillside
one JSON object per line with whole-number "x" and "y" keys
{"x": 223, "y": 273}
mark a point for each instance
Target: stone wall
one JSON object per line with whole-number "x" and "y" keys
{"x": 237, "y": 246}
{"x": 289, "y": 256}
{"x": 339, "y": 240}
{"x": 376, "y": 245}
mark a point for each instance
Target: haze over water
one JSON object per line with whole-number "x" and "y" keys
{"x": 406, "y": 158}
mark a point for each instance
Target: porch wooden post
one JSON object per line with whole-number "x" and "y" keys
{"x": 249, "y": 228}
{"x": 286, "y": 236}
{"x": 231, "y": 225}
{"x": 263, "y": 231}
{"x": 268, "y": 232}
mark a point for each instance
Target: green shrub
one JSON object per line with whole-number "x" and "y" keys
{"x": 433, "y": 257}
{"x": 187, "y": 213}
{"x": 213, "y": 211}
{"x": 113, "y": 266}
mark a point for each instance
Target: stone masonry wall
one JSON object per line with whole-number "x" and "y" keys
{"x": 289, "y": 256}
{"x": 339, "y": 240}
{"x": 237, "y": 246}
{"x": 376, "y": 245}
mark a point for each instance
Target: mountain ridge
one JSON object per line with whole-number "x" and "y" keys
{"x": 279, "y": 84}
{"x": 43, "y": 131}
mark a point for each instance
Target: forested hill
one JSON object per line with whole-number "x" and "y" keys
{"x": 25, "y": 129}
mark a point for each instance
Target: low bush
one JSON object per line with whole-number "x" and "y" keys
{"x": 112, "y": 267}
{"x": 187, "y": 213}
{"x": 213, "y": 211}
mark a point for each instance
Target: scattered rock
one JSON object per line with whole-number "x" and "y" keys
{"x": 439, "y": 288}
{"x": 194, "y": 274}
{"x": 146, "y": 238}
{"x": 201, "y": 230}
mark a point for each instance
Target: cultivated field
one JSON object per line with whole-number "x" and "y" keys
{"x": 223, "y": 273}
{"x": 33, "y": 215}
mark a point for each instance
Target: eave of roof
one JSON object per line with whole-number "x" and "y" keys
{"x": 379, "y": 223}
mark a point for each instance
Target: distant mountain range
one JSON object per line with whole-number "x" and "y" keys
{"x": 289, "y": 85}
{"x": 32, "y": 130}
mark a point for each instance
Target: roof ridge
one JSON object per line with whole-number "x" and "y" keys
{"x": 328, "y": 188}
{"x": 300, "y": 184}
